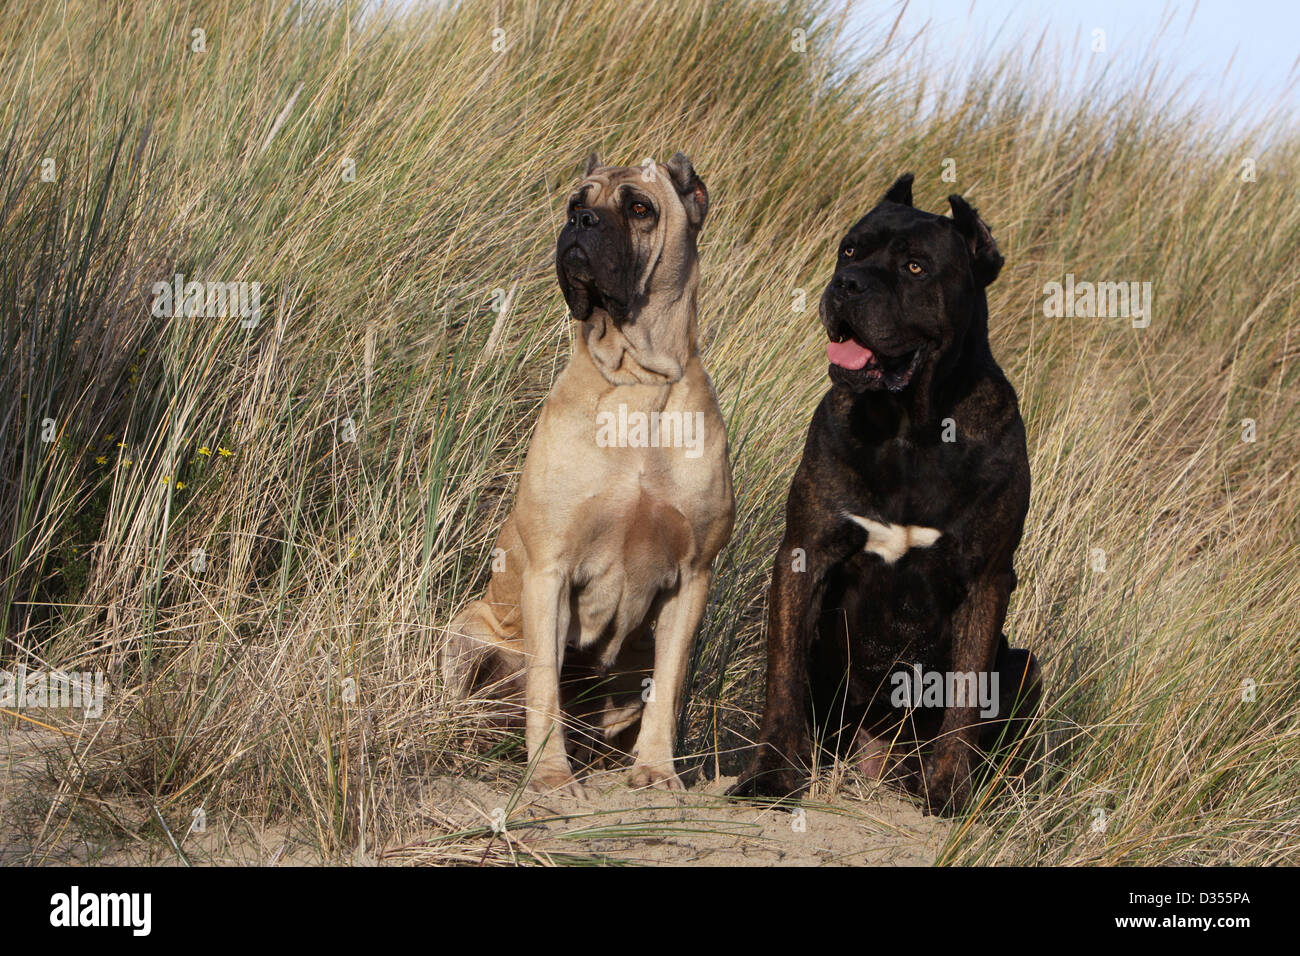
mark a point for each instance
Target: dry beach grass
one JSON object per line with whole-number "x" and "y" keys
{"x": 418, "y": 301}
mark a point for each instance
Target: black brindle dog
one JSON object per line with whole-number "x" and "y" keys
{"x": 890, "y": 587}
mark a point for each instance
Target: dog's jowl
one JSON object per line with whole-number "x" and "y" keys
{"x": 625, "y": 497}
{"x": 891, "y": 584}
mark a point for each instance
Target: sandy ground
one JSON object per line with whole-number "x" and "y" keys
{"x": 454, "y": 824}
{"x": 695, "y": 827}
{"x": 32, "y": 814}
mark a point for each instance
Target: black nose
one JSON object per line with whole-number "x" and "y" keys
{"x": 846, "y": 283}
{"x": 586, "y": 219}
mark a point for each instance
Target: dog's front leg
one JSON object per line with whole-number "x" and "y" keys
{"x": 780, "y": 766}
{"x": 977, "y": 632}
{"x": 675, "y": 631}
{"x": 546, "y": 624}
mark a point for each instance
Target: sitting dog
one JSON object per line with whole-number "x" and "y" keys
{"x": 902, "y": 522}
{"x": 625, "y": 497}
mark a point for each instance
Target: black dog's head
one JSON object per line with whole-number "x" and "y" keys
{"x": 629, "y": 231}
{"x": 908, "y": 288}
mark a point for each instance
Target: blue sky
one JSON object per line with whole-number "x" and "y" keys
{"x": 1239, "y": 56}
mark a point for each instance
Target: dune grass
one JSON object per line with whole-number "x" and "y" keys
{"x": 261, "y": 533}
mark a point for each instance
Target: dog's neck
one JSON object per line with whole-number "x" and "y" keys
{"x": 651, "y": 346}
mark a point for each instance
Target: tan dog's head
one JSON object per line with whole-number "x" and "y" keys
{"x": 627, "y": 264}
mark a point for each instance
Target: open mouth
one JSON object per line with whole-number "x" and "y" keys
{"x": 870, "y": 368}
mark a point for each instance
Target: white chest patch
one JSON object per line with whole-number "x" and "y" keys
{"x": 892, "y": 541}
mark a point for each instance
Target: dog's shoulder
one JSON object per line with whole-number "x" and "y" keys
{"x": 990, "y": 408}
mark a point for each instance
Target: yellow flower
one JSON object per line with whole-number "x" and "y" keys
{"x": 180, "y": 485}
{"x": 167, "y": 479}
{"x": 205, "y": 450}
{"x": 101, "y": 460}
{"x": 224, "y": 452}
{"x": 121, "y": 444}
{"x": 126, "y": 463}
{"x": 108, "y": 438}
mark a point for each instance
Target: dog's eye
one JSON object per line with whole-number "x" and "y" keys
{"x": 640, "y": 210}
{"x": 847, "y": 252}
{"x": 915, "y": 267}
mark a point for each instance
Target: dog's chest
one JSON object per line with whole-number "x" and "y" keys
{"x": 900, "y": 500}
{"x": 631, "y": 541}
{"x": 909, "y": 483}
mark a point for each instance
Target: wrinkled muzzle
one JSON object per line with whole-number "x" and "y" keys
{"x": 596, "y": 270}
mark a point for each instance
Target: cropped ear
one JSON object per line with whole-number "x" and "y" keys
{"x": 985, "y": 260}
{"x": 901, "y": 191}
{"x": 691, "y": 189}
{"x": 593, "y": 163}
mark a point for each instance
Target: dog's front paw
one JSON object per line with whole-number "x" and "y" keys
{"x": 556, "y": 777}
{"x": 659, "y": 775}
{"x": 947, "y": 783}
{"x": 771, "y": 780}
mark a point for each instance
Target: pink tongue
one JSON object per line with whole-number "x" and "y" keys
{"x": 848, "y": 354}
